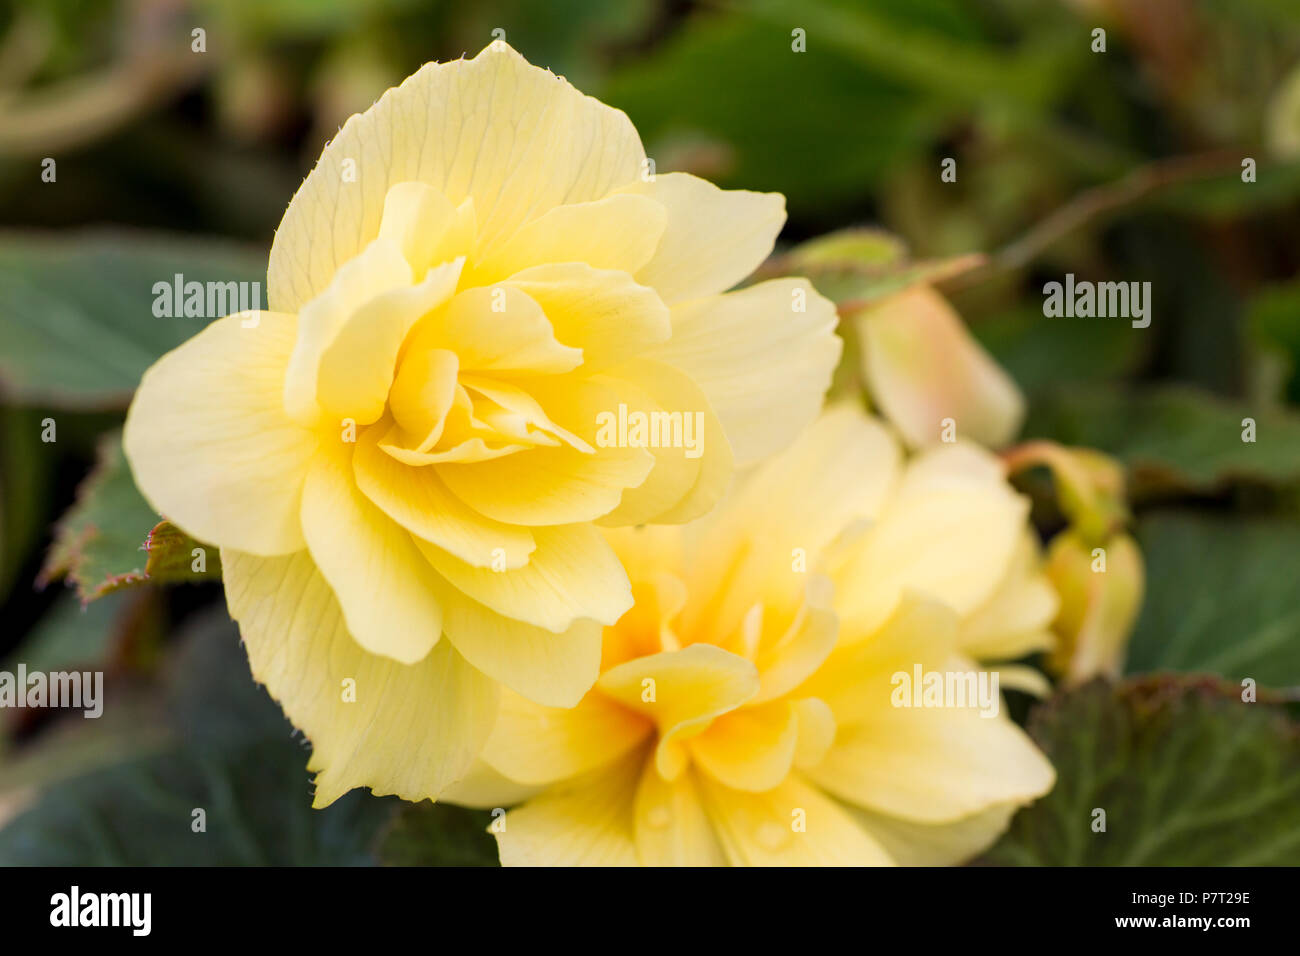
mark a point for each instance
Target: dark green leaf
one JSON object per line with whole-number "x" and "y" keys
{"x": 1187, "y": 773}
{"x": 77, "y": 324}
{"x": 1221, "y": 597}
{"x": 98, "y": 544}
{"x": 173, "y": 555}
{"x": 234, "y": 757}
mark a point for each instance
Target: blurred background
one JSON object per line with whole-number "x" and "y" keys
{"x": 1124, "y": 164}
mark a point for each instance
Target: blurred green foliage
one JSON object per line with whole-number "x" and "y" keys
{"x": 1124, "y": 165}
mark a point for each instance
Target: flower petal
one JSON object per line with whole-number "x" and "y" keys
{"x": 749, "y": 749}
{"x": 682, "y": 692}
{"x": 953, "y": 543}
{"x": 584, "y": 822}
{"x": 936, "y": 844}
{"x": 551, "y": 669}
{"x": 933, "y": 765}
{"x": 426, "y": 226}
{"x": 693, "y": 461}
{"x": 786, "y": 663}
{"x": 377, "y": 273}
{"x": 764, "y": 357}
{"x": 417, "y": 500}
{"x": 572, "y": 574}
{"x": 373, "y": 722}
{"x": 564, "y": 485}
{"x": 841, "y": 470}
{"x": 532, "y": 744}
{"x": 922, "y": 366}
{"x": 208, "y": 440}
{"x": 618, "y": 232}
{"x": 791, "y": 825}
{"x": 483, "y": 788}
{"x": 356, "y": 368}
{"x": 1016, "y": 620}
{"x": 671, "y": 826}
{"x": 382, "y": 582}
{"x": 513, "y": 137}
{"x": 498, "y": 329}
{"x": 714, "y": 237}
{"x": 602, "y": 312}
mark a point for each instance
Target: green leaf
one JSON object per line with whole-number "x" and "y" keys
{"x": 1187, "y": 773}
{"x": 1173, "y": 437}
{"x": 172, "y": 557}
{"x": 77, "y": 324}
{"x": 438, "y": 834}
{"x": 1221, "y": 597}
{"x": 98, "y": 544}
{"x": 232, "y": 755}
{"x": 818, "y": 155}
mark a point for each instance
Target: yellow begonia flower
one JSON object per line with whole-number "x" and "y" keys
{"x": 406, "y": 445}
{"x": 746, "y": 710}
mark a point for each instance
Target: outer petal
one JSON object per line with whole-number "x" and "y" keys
{"x": 600, "y": 311}
{"x": 532, "y": 744}
{"x": 412, "y": 729}
{"x": 617, "y": 232}
{"x": 209, "y": 442}
{"x": 573, "y": 574}
{"x": 933, "y": 765}
{"x": 515, "y": 138}
{"x": 1017, "y": 619}
{"x": 484, "y": 788}
{"x": 936, "y": 844}
{"x": 792, "y": 825}
{"x": 690, "y": 475}
{"x": 763, "y": 356}
{"x": 672, "y": 828}
{"x": 714, "y": 238}
{"x": 951, "y": 543}
{"x": 922, "y": 366}
{"x": 584, "y": 822}
{"x": 551, "y": 669}
{"x": 857, "y": 679}
{"x": 383, "y": 583}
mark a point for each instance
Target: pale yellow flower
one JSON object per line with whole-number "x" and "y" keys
{"x": 406, "y": 446}
{"x": 746, "y": 710}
